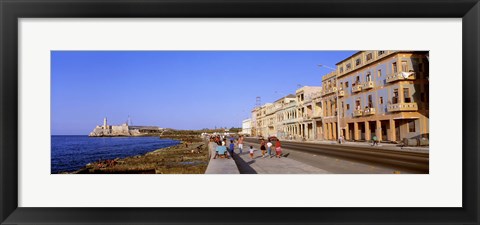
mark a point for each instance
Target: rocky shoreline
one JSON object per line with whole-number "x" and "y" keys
{"x": 189, "y": 157}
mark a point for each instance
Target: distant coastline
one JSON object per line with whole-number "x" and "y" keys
{"x": 124, "y": 130}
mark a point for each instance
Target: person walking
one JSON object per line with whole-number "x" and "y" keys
{"x": 278, "y": 149}
{"x": 251, "y": 152}
{"x": 374, "y": 140}
{"x": 262, "y": 148}
{"x": 240, "y": 144}
{"x": 232, "y": 147}
{"x": 269, "y": 148}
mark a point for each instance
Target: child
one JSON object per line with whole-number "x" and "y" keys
{"x": 232, "y": 147}
{"x": 251, "y": 152}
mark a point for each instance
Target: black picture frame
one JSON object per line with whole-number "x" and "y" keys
{"x": 11, "y": 11}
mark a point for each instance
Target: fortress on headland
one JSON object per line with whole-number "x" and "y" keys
{"x": 124, "y": 130}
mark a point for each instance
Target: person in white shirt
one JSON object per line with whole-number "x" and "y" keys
{"x": 269, "y": 148}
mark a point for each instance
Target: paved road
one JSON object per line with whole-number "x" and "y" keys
{"x": 338, "y": 165}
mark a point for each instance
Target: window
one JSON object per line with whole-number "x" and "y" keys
{"x": 406, "y": 95}
{"x": 341, "y": 85}
{"x": 346, "y": 84}
{"x": 394, "y": 67}
{"x": 370, "y": 102}
{"x": 341, "y": 69}
{"x": 369, "y": 56}
{"x": 411, "y": 126}
{"x": 404, "y": 66}
{"x": 348, "y": 106}
{"x": 379, "y": 73}
{"x": 357, "y": 80}
{"x": 349, "y": 66}
{"x": 395, "y": 96}
{"x": 369, "y": 78}
{"x": 358, "y": 62}
{"x": 381, "y": 100}
{"x": 380, "y": 53}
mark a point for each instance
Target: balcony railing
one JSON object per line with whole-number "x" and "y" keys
{"x": 401, "y": 76}
{"x": 369, "y": 111}
{"x": 357, "y": 88}
{"x": 368, "y": 85}
{"x": 402, "y": 107}
{"x": 341, "y": 93}
{"x": 357, "y": 113}
{"x": 330, "y": 91}
{"x": 317, "y": 114}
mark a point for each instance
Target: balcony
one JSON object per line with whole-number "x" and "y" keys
{"x": 401, "y": 76}
{"x": 369, "y": 112}
{"x": 402, "y": 107}
{"x": 368, "y": 85}
{"x": 317, "y": 114}
{"x": 356, "y": 88}
{"x": 341, "y": 93}
{"x": 357, "y": 113}
{"x": 307, "y": 117}
{"x": 330, "y": 91}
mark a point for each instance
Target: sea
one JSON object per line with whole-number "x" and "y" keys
{"x": 72, "y": 152}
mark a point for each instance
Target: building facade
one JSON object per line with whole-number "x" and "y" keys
{"x": 247, "y": 127}
{"x": 385, "y": 93}
{"x": 371, "y": 93}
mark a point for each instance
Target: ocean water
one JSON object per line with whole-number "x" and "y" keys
{"x": 70, "y": 153}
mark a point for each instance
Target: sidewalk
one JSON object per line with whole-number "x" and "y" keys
{"x": 267, "y": 165}
{"x": 220, "y": 165}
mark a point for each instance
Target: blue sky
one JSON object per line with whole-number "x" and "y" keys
{"x": 175, "y": 89}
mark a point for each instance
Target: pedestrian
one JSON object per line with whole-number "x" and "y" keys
{"x": 232, "y": 147}
{"x": 240, "y": 144}
{"x": 374, "y": 140}
{"x": 262, "y": 148}
{"x": 340, "y": 139}
{"x": 269, "y": 148}
{"x": 251, "y": 152}
{"x": 278, "y": 148}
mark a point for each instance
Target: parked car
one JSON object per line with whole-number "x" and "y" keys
{"x": 273, "y": 138}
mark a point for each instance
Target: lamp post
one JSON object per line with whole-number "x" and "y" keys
{"x": 338, "y": 102}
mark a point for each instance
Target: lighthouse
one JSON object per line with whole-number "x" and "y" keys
{"x": 105, "y": 123}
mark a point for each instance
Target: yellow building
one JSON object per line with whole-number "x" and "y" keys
{"x": 371, "y": 93}
{"x": 382, "y": 93}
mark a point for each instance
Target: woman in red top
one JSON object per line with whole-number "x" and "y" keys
{"x": 278, "y": 148}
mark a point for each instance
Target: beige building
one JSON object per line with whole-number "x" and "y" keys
{"x": 247, "y": 127}
{"x": 382, "y": 93}
{"x": 371, "y": 93}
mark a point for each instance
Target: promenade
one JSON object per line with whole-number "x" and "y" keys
{"x": 220, "y": 165}
{"x": 267, "y": 165}
{"x": 243, "y": 164}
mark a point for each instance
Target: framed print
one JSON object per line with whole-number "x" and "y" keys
{"x": 310, "y": 112}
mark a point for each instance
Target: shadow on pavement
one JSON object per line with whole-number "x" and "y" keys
{"x": 243, "y": 166}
